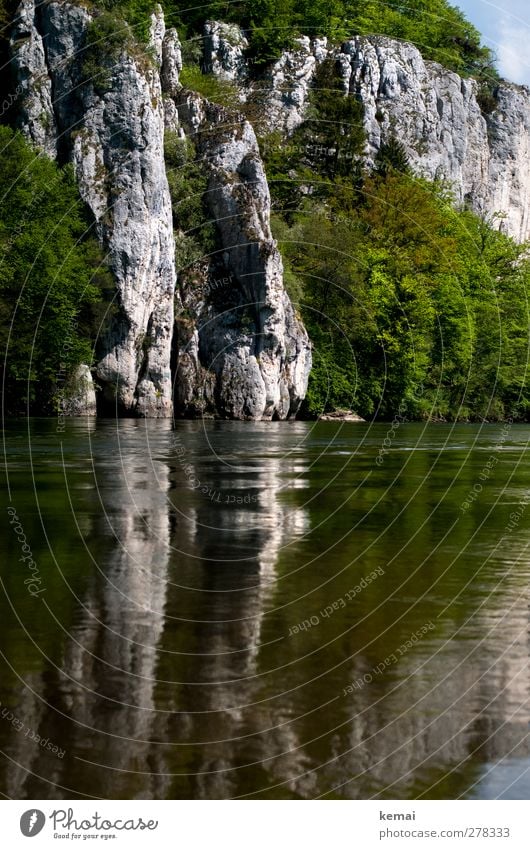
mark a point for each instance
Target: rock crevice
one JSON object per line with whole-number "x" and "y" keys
{"x": 247, "y": 338}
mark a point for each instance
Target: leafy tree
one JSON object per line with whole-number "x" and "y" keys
{"x": 333, "y": 135}
{"x": 52, "y": 277}
{"x": 414, "y": 308}
{"x": 391, "y": 156}
{"x": 136, "y": 14}
{"x": 271, "y": 28}
{"x": 440, "y": 30}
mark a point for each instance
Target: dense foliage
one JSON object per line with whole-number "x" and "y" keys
{"x": 414, "y": 308}
{"x": 136, "y": 13}
{"x": 51, "y": 277}
{"x": 439, "y": 29}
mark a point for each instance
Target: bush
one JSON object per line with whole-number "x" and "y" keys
{"x": 188, "y": 182}
{"x": 136, "y": 13}
{"x": 212, "y": 88}
{"x": 107, "y": 37}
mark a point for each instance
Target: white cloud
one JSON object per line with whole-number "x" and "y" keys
{"x": 513, "y": 52}
{"x": 505, "y": 26}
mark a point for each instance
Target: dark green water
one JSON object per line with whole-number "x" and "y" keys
{"x": 163, "y": 654}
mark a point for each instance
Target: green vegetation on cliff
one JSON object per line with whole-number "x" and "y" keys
{"x": 439, "y": 29}
{"x": 52, "y": 278}
{"x": 414, "y": 308}
{"x": 195, "y": 234}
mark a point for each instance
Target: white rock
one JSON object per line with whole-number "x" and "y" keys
{"x": 431, "y": 110}
{"x": 78, "y": 397}
{"x": 114, "y": 138}
{"x": 435, "y": 114}
{"x": 171, "y": 62}
{"x": 36, "y": 114}
{"x": 157, "y": 35}
{"x": 288, "y": 82}
{"x": 262, "y": 370}
{"x": 223, "y": 51}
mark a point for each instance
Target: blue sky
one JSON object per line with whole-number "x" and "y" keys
{"x": 505, "y": 27}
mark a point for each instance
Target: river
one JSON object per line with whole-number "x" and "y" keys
{"x": 272, "y": 610}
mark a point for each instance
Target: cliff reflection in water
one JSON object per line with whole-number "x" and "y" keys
{"x": 168, "y": 667}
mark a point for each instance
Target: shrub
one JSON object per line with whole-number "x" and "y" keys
{"x": 211, "y": 87}
{"x": 188, "y": 182}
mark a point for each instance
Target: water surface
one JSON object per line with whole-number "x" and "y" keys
{"x": 272, "y": 610}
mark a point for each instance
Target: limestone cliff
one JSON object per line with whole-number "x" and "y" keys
{"x": 237, "y": 348}
{"x": 245, "y": 334}
{"x": 434, "y": 113}
{"x": 111, "y": 128}
{"x": 249, "y": 358}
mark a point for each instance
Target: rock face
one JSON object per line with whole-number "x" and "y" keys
{"x": 435, "y": 114}
{"x": 287, "y": 84}
{"x": 509, "y": 166}
{"x": 432, "y": 111}
{"x": 171, "y": 62}
{"x": 237, "y": 348}
{"x": 245, "y": 340}
{"x": 79, "y": 395}
{"x": 36, "y": 115}
{"x": 250, "y": 360}
{"x": 224, "y": 46}
{"x": 111, "y": 127}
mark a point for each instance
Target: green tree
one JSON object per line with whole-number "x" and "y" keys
{"x": 439, "y": 29}
{"x": 391, "y": 156}
{"x": 52, "y": 276}
{"x": 414, "y": 308}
